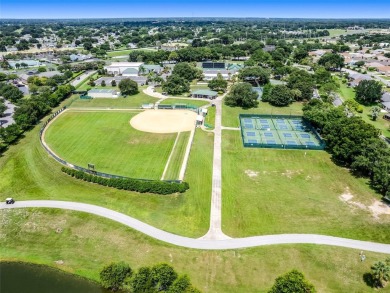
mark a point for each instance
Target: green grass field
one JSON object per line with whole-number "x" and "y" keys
{"x": 27, "y": 172}
{"x": 210, "y": 117}
{"x": 285, "y": 191}
{"x": 86, "y": 243}
{"x": 129, "y": 102}
{"x": 177, "y": 156}
{"x": 126, "y": 52}
{"x": 107, "y": 140}
{"x": 383, "y": 125}
{"x": 83, "y": 86}
{"x": 230, "y": 114}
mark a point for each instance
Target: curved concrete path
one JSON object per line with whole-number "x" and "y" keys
{"x": 202, "y": 243}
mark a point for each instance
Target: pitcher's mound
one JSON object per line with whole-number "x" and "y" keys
{"x": 164, "y": 121}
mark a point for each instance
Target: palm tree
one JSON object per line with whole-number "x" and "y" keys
{"x": 380, "y": 273}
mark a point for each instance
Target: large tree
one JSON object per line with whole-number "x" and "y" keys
{"x": 218, "y": 84}
{"x": 114, "y": 275}
{"x": 242, "y": 95}
{"x": 186, "y": 71}
{"x": 2, "y": 108}
{"x": 163, "y": 276}
{"x": 292, "y": 282}
{"x": 303, "y": 81}
{"x": 128, "y": 87}
{"x": 255, "y": 75}
{"x": 176, "y": 85}
{"x": 332, "y": 61}
{"x": 280, "y": 96}
{"x": 368, "y": 91}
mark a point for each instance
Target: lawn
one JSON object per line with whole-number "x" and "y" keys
{"x": 107, "y": 140}
{"x": 27, "y": 172}
{"x": 178, "y": 152}
{"x": 196, "y": 103}
{"x": 83, "y": 86}
{"x": 230, "y": 114}
{"x": 126, "y": 52}
{"x": 85, "y": 243}
{"x": 383, "y": 125}
{"x": 210, "y": 118}
{"x": 267, "y": 191}
{"x": 129, "y": 102}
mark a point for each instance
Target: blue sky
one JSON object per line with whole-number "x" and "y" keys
{"x": 194, "y": 8}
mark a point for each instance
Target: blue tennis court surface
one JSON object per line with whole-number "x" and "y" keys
{"x": 291, "y": 142}
{"x": 287, "y": 132}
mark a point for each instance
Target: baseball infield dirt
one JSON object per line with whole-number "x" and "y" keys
{"x": 164, "y": 121}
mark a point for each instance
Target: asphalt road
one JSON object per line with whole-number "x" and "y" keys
{"x": 82, "y": 77}
{"x": 8, "y": 119}
{"x": 207, "y": 244}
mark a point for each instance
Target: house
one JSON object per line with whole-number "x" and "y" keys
{"x": 386, "y": 106}
{"x": 103, "y": 93}
{"x": 204, "y": 94}
{"x": 117, "y": 68}
{"x": 385, "y": 101}
{"x": 355, "y": 79}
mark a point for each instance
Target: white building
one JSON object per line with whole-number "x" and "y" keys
{"x": 117, "y": 68}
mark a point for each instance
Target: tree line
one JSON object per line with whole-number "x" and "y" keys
{"x": 158, "y": 278}
{"x": 28, "y": 112}
{"x": 352, "y": 142}
{"x": 138, "y": 185}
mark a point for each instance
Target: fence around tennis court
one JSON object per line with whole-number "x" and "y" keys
{"x": 79, "y": 168}
{"x": 272, "y": 131}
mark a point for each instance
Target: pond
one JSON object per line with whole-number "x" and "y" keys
{"x": 18, "y": 277}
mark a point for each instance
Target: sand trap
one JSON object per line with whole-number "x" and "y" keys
{"x": 164, "y": 121}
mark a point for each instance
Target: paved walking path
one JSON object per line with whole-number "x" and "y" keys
{"x": 230, "y": 128}
{"x": 215, "y": 230}
{"x": 202, "y": 243}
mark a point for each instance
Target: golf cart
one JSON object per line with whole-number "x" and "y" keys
{"x": 9, "y": 200}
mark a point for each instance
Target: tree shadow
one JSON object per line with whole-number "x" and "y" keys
{"x": 368, "y": 279}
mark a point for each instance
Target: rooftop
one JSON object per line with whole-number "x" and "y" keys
{"x": 102, "y": 91}
{"x": 204, "y": 93}
{"x": 126, "y": 64}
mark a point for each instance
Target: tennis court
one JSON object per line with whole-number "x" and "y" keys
{"x": 286, "y": 132}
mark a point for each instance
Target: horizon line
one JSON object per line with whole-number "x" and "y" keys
{"x": 203, "y": 17}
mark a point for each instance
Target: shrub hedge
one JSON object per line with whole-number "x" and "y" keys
{"x": 153, "y": 186}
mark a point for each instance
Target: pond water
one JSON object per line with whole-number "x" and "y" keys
{"x": 29, "y": 278}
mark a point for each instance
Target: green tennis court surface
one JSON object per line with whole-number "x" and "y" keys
{"x": 286, "y": 132}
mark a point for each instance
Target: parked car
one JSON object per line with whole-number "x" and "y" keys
{"x": 9, "y": 200}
